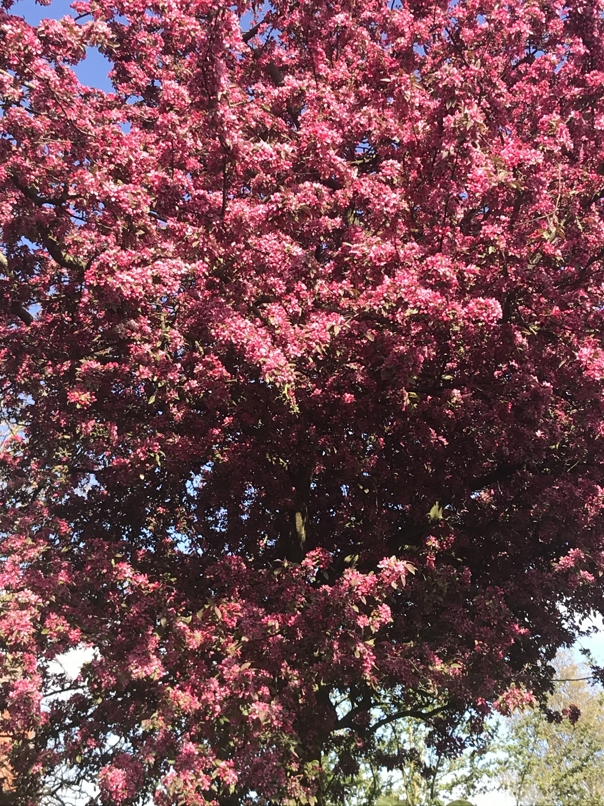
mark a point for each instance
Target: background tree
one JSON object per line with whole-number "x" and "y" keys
{"x": 301, "y": 326}
{"x": 558, "y": 761}
{"x": 553, "y": 756}
{"x": 406, "y": 769}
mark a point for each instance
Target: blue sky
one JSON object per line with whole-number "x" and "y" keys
{"x": 94, "y": 69}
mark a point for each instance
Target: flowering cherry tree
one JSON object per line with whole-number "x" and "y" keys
{"x": 302, "y": 373}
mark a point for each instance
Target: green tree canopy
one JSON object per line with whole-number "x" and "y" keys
{"x": 556, "y": 758}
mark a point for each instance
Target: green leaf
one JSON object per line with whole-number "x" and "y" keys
{"x": 436, "y": 513}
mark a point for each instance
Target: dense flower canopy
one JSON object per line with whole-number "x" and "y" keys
{"x": 302, "y": 372}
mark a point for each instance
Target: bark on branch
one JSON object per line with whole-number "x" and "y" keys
{"x": 16, "y": 308}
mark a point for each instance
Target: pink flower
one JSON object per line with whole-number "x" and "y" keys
{"x": 80, "y": 397}
{"x": 121, "y": 780}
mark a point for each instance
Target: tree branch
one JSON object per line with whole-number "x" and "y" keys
{"x": 423, "y": 715}
{"x": 16, "y": 307}
{"x": 248, "y": 35}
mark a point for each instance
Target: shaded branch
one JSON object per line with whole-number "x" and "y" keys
{"x": 248, "y": 35}
{"x": 423, "y": 715}
{"x": 365, "y": 705}
{"x": 49, "y": 241}
{"x": 34, "y": 196}
{"x": 21, "y": 312}
{"x": 347, "y": 719}
{"x": 16, "y": 308}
